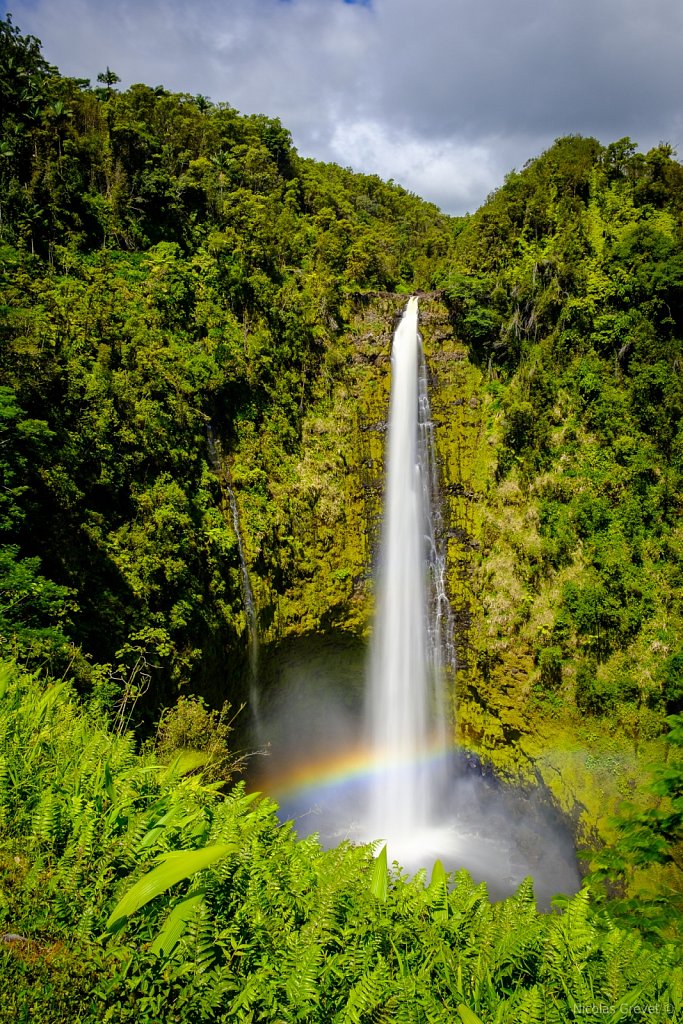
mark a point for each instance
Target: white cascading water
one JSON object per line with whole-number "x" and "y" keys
{"x": 405, "y": 702}
{"x": 412, "y": 795}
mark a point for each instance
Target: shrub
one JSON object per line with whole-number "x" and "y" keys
{"x": 672, "y": 683}
{"x": 593, "y": 696}
{"x": 550, "y": 666}
{"x": 191, "y": 726}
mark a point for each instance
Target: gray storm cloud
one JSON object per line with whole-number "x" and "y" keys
{"x": 443, "y": 96}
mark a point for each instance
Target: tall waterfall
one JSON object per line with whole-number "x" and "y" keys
{"x": 414, "y": 791}
{"x": 405, "y": 706}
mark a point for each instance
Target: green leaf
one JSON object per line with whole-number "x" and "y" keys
{"x": 175, "y": 816}
{"x": 438, "y": 892}
{"x": 187, "y": 761}
{"x": 6, "y": 674}
{"x": 379, "y": 881}
{"x": 626, "y": 1004}
{"x": 109, "y": 783}
{"x": 467, "y": 1016}
{"x": 174, "y": 926}
{"x": 174, "y": 867}
{"x": 438, "y": 877}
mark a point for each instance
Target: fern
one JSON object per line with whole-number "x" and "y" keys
{"x": 199, "y": 938}
{"x": 623, "y": 956}
{"x": 530, "y": 1007}
{"x": 47, "y": 818}
{"x": 248, "y": 997}
{"x": 516, "y": 948}
{"x": 367, "y": 995}
{"x": 277, "y": 930}
{"x": 4, "y": 790}
{"x": 300, "y": 970}
{"x": 438, "y": 892}
{"x": 210, "y": 994}
{"x": 672, "y": 990}
{"x": 571, "y": 941}
{"x": 523, "y": 899}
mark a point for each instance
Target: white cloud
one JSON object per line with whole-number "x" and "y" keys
{"x": 453, "y": 173}
{"x": 443, "y": 96}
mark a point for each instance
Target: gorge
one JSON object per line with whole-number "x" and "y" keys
{"x": 196, "y": 333}
{"x": 406, "y": 784}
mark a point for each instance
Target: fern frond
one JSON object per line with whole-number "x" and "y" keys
{"x": 438, "y": 892}
{"x": 524, "y": 898}
{"x": 47, "y": 817}
{"x": 250, "y": 994}
{"x": 530, "y": 1007}
{"x": 301, "y": 969}
{"x": 199, "y": 938}
{"x": 4, "y": 789}
{"x": 367, "y": 995}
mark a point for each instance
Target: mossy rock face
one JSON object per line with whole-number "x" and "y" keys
{"x": 310, "y": 517}
{"x": 311, "y": 535}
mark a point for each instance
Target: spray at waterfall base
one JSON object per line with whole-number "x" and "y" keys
{"x": 404, "y": 784}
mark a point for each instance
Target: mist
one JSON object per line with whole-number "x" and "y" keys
{"x": 315, "y": 764}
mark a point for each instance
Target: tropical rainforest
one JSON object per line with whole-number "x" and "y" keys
{"x": 194, "y": 375}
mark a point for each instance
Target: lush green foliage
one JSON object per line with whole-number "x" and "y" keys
{"x": 191, "y": 730}
{"x": 176, "y": 291}
{"x": 173, "y": 291}
{"x": 568, "y": 287}
{"x": 653, "y": 835}
{"x": 247, "y": 924}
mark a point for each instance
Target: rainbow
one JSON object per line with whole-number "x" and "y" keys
{"x": 336, "y": 771}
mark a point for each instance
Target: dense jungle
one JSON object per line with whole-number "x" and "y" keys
{"x": 194, "y": 378}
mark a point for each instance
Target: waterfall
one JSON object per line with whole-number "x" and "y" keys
{"x": 247, "y": 593}
{"x": 439, "y": 614}
{"x": 405, "y": 705}
{"x": 401, "y": 780}
{"x": 250, "y": 612}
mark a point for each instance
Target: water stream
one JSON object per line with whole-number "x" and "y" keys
{"x": 405, "y": 703}
{"x": 220, "y": 468}
{"x": 383, "y": 767}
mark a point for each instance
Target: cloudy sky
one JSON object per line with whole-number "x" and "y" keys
{"x": 443, "y": 96}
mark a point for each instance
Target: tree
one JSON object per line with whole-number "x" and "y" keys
{"x": 108, "y": 78}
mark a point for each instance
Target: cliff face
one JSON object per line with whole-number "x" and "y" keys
{"x": 311, "y": 553}
{"x": 310, "y": 526}
{"x": 311, "y": 548}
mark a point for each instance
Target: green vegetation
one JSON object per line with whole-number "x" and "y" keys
{"x": 569, "y": 289}
{"x": 133, "y": 891}
{"x": 647, "y": 837}
{"x": 195, "y": 319}
{"x": 174, "y": 289}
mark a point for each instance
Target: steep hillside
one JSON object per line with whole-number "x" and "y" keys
{"x": 196, "y": 336}
{"x": 567, "y": 287}
{"x": 176, "y": 291}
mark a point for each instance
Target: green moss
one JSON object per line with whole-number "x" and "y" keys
{"x": 310, "y": 558}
